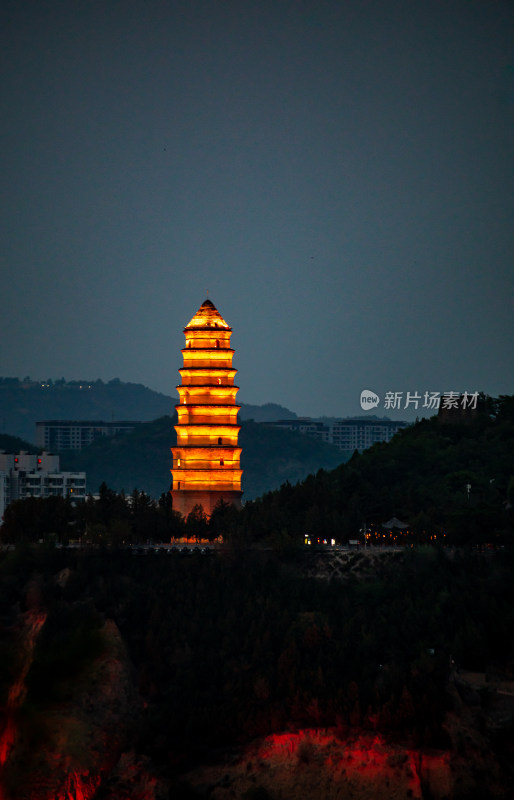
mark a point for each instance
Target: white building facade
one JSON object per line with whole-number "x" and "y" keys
{"x": 359, "y": 434}
{"x": 29, "y": 475}
{"x": 63, "y": 434}
{"x": 345, "y": 434}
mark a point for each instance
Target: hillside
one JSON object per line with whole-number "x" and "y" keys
{"x": 142, "y": 458}
{"x": 23, "y": 403}
{"x": 157, "y": 677}
{"x": 13, "y": 444}
{"x": 269, "y": 412}
{"x": 450, "y": 481}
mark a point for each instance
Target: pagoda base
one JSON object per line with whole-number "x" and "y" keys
{"x": 184, "y": 501}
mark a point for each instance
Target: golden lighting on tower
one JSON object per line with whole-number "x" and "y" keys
{"x": 206, "y": 465}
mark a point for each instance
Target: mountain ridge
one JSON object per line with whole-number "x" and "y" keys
{"x": 25, "y": 402}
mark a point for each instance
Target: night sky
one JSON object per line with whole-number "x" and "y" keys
{"x": 338, "y": 176}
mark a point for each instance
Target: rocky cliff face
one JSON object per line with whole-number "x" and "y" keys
{"x": 30, "y": 625}
{"x": 67, "y": 750}
{"x": 79, "y": 743}
{"x": 318, "y": 765}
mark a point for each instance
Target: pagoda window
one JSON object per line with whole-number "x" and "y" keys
{"x": 220, "y": 440}
{"x": 221, "y": 462}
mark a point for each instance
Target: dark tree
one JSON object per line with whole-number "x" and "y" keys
{"x": 197, "y": 526}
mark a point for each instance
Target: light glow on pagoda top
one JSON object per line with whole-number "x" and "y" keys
{"x": 207, "y": 316}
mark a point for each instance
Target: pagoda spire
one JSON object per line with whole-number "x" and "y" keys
{"x": 206, "y": 459}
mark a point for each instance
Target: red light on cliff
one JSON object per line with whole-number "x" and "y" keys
{"x": 366, "y": 761}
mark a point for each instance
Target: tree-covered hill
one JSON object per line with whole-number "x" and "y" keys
{"x": 269, "y": 412}
{"x": 142, "y": 458}
{"x": 443, "y": 481}
{"x": 13, "y": 444}
{"x": 440, "y": 479}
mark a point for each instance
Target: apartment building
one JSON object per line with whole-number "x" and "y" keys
{"x": 305, "y": 425}
{"x": 29, "y": 475}
{"x": 359, "y": 434}
{"x": 346, "y": 434}
{"x": 59, "y": 434}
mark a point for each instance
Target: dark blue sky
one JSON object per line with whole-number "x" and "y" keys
{"x": 338, "y": 175}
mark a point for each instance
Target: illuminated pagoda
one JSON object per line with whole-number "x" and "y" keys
{"x": 206, "y": 465}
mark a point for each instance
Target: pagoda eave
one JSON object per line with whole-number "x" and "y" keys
{"x": 202, "y": 328}
{"x": 207, "y": 350}
{"x": 188, "y": 471}
{"x": 195, "y": 371}
{"x": 180, "y": 426}
{"x": 195, "y": 386}
{"x": 207, "y": 405}
{"x": 191, "y": 448}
